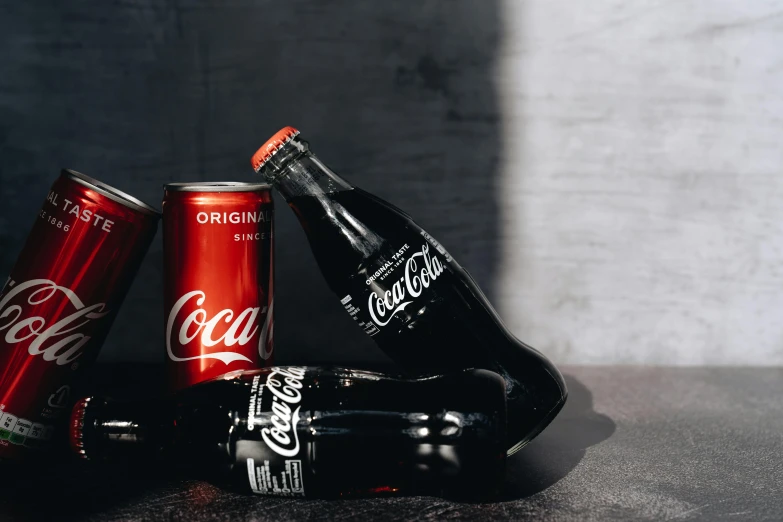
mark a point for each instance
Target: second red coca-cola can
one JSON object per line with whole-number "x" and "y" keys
{"x": 218, "y": 279}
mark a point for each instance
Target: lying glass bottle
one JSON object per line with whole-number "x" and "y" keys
{"x": 314, "y": 432}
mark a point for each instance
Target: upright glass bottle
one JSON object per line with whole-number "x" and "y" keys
{"x": 314, "y": 432}
{"x": 404, "y": 289}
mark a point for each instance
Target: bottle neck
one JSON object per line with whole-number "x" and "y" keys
{"x": 338, "y": 236}
{"x": 102, "y": 429}
{"x": 295, "y": 171}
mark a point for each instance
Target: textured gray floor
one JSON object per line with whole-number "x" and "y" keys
{"x": 631, "y": 444}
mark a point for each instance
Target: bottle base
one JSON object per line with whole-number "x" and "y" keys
{"x": 539, "y": 427}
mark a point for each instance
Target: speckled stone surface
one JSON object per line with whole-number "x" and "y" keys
{"x": 631, "y": 444}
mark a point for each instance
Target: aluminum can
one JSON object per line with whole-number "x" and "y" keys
{"x": 59, "y": 302}
{"x": 218, "y": 279}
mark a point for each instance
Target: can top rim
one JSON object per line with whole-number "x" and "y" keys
{"x": 110, "y": 192}
{"x": 216, "y": 186}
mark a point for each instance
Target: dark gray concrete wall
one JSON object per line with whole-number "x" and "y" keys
{"x": 397, "y": 96}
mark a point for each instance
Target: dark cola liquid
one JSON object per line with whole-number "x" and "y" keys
{"x": 421, "y": 307}
{"x": 318, "y": 432}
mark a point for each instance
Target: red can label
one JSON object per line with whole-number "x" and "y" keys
{"x": 218, "y": 279}
{"x": 61, "y": 298}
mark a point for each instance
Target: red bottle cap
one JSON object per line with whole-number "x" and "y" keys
{"x": 272, "y": 145}
{"x": 76, "y": 430}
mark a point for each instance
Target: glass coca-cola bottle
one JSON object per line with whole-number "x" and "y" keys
{"x": 313, "y": 432}
{"x": 404, "y": 289}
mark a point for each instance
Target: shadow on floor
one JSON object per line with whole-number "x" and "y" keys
{"x": 560, "y": 447}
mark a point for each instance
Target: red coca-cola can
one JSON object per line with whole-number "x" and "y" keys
{"x": 60, "y": 300}
{"x": 218, "y": 279}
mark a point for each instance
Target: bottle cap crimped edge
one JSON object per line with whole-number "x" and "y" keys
{"x": 272, "y": 145}
{"x": 76, "y": 426}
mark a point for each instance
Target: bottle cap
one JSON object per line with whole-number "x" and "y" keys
{"x": 272, "y": 145}
{"x": 76, "y": 430}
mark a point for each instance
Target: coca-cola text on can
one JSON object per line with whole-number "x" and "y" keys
{"x": 218, "y": 279}
{"x": 63, "y": 293}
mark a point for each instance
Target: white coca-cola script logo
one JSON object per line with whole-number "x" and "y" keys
{"x": 282, "y": 437}
{"x": 196, "y": 324}
{"x": 58, "y": 342}
{"x": 411, "y": 284}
